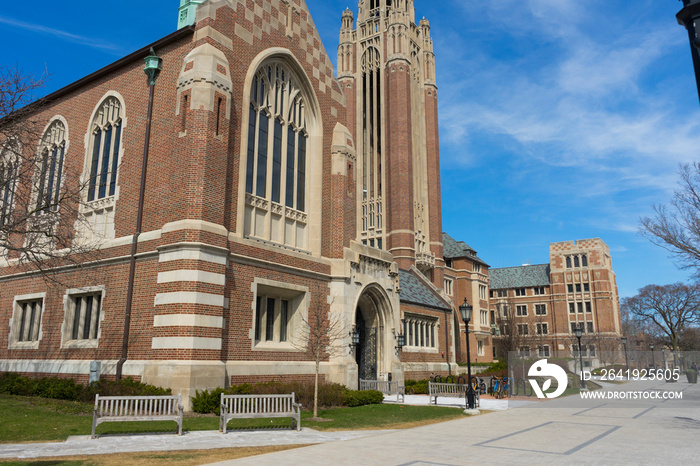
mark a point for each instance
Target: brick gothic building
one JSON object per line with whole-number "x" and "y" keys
{"x": 535, "y": 307}
{"x": 274, "y": 190}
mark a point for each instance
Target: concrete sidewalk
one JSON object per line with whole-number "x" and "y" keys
{"x": 553, "y": 432}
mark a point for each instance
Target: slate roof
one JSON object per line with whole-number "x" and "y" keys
{"x": 519, "y": 277}
{"x": 452, "y": 249}
{"x": 415, "y": 291}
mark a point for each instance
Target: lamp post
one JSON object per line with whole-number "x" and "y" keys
{"x": 653, "y": 361}
{"x": 578, "y": 331}
{"x": 689, "y": 17}
{"x": 624, "y": 345}
{"x": 152, "y": 68}
{"x": 465, "y": 309}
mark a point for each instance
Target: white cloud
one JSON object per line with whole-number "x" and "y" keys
{"x": 74, "y": 38}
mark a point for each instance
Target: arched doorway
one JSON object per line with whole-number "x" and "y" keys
{"x": 371, "y": 321}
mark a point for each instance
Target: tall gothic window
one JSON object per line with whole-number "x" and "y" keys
{"x": 102, "y": 166}
{"x": 9, "y": 163}
{"x": 276, "y": 169}
{"x": 50, "y": 168}
{"x": 106, "y": 136}
{"x": 372, "y": 204}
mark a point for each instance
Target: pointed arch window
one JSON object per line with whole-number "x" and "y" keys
{"x": 276, "y": 180}
{"x": 104, "y": 156}
{"x": 50, "y": 168}
{"x": 102, "y": 167}
{"x": 9, "y": 170}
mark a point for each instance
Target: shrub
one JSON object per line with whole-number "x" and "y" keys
{"x": 206, "y": 401}
{"x": 416, "y": 387}
{"x": 329, "y": 395}
{"x": 68, "y": 389}
{"x": 125, "y": 387}
{"x": 353, "y": 398}
{"x": 497, "y": 369}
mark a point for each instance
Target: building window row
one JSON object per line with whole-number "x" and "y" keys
{"x": 420, "y": 331}
{"x": 588, "y": 328}
{"x": 81, "y": 321}
{"x": 579, "y": 307}
{"x": 537, "y": 291}
{"x": 575, "y": 261}
{"x": 578, "y": 287}
{"x": 48, "y": 180}
{"x": 586, "y": 350}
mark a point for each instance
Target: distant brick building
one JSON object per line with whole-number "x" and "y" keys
{"x": 274, "y": 191}
{"x": 534, "y": 308}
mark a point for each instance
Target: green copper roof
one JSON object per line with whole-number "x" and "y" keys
{"x": 519, "y": 277}
{"x": 187, "y": 12}
{"x": 452, "y": 249}
{"x": 416, "y": 291}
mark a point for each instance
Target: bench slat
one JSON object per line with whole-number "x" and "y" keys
{"x": 137, "y": 408}
{"x": 258, "y": 406}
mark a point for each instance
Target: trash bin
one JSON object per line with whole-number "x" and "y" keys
{"x": 692, "y": 376}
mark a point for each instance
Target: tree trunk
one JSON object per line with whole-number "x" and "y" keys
{"x": 316, "y": 390}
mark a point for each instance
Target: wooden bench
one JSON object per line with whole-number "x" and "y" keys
{"x": 384, "y": 386}
{"x": 453, "y": 390}
{"x": 137, "y": 408}
{"x": 259, "y": 406}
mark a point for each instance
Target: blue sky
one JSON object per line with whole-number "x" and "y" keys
{"x": 559, "y": 119}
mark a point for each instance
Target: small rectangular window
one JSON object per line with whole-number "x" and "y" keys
{"x": 586, "y": 287}
{"x": 579, "y": 306}
{"x": 570, "y": 288}
{"x": 578, "y": 288}
{"x": 572, "y": 308}
{"x": 29, "y": 320}
{"x": 86, "y": 316}
{"x": 589, "y": 327}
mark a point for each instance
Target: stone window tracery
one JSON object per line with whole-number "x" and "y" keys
{"x": 49, "y": 172}
{"x": 277, "y": 154}
{"x": 102, "y": 167}
{"x": 9, "y": 169}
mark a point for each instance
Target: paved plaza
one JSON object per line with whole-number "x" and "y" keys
{"x": 555, "y": 432}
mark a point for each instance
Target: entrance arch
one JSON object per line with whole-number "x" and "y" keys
{"x": 373, "y": 322}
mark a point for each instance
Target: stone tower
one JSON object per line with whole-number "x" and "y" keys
{"x": 386, "y": 66}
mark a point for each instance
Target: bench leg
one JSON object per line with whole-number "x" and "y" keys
{"x": 94, "y": 424}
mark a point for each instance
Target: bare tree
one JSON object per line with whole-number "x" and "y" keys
{"x": 509, "y": 338}
{"x": 40, "y": 194}
{"x": 676, "y": 228}
{"x": 322, "y": 335}
{"x": 669, "y": 308}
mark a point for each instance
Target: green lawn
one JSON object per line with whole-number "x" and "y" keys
{"x": 40, "y": 420}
